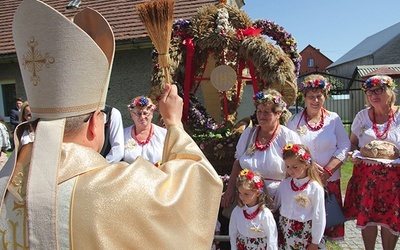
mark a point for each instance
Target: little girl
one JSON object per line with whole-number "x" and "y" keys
{"x": 252, "y": 225}
{"x": 300, "y": 200}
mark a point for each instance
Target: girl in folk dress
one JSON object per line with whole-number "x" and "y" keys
{"x": 300, "y": 200}
{"x": 252, "y": 225}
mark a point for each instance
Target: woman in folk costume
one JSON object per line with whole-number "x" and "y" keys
{"x": 143, "y": 137}
{"x": 322, "y": 131}
{"x": 62, "y": 193}
{"x": 372, "y": 196}
{"x": 260, "y": 148}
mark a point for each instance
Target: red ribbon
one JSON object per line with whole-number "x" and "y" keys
{"x": 225, "y": 107}
{"x": 187, "y": 85}
{"x": 253, "y": 76}
{"x": 240, "y": 79}
{"x": 240, "y": 33}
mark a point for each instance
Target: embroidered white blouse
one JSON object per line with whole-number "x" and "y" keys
{"x": 263, "y": 226}
{"x": 362, "y": 128}
{"x": 152, "y": 151}
{"x": 330, "y": 141}
{"x": 305, "y": 205}
{"x": 269, "y": 162}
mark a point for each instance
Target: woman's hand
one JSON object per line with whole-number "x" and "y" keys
{"x": 354, "y": 160}
{"x": 228, "y": 197}
{"x": 323, "y": 175}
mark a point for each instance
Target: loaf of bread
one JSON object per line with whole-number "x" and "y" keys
{"x": 380, "y": 150}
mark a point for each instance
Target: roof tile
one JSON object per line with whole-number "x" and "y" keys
{"x": 121, "y": 15}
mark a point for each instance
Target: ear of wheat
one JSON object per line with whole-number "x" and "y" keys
{"x": 157, "y": 16}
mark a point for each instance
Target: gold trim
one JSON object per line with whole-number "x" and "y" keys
{"x": 66, "y": 109}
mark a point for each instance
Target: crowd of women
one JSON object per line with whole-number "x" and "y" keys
{"x": 290, "y": 163}
{"x": 319, "y": 141}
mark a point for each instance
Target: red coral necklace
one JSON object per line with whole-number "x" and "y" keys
{"x": 320, "y": 124}
{"x": 261, "y": 147}
{"x": 296, "y": 188}
{"x": 384, "y": 134}
{"x": 142, "y": 143}
{"x": 252, "y": 215}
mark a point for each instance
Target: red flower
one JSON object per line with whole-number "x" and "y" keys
{"x": 259, "y": 184}
{"x": 240, "y": 246}
{"x": 297, "y": 226}
{"x": 295, "y": 149}
{"x": 250, "y": 175}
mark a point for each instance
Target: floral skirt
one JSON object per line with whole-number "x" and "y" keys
{"x": 335, "y": 233}
{"x": 372, "y": 196}
{"x": 293, "y": 234}
{"x": 247, "y": 243}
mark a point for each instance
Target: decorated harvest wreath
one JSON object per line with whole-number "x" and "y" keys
{"x": 224, "y": 35}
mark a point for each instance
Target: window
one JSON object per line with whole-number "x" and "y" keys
{"x": 310, "y": 62}
{"x": 8, "y": 93}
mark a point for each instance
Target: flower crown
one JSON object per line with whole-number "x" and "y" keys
{"x": 316, "y": 83}
{"x": 261, "y": 97}
{"x": 298, "y": 151}
{"x": 378, "y": 81}
{"x": 258, "y": 182}
{"x": 141, "y": 102}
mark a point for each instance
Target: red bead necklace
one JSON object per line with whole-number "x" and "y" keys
{"x": 384, "y": 134}
{"x": 261, "y": 147}
{"x": 252, "y": 215}
{"x": 142, "y": 143}
{"x": 296, "y": 188}
{"x": 320, "y": 124}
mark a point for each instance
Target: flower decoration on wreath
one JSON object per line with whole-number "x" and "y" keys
{"x": 374, "y": 81}
{"x": 249, "y": 175}
{"x": 227, "y": 35}
{"x": 297, "y": 151}
{"x": 316, "y": 83}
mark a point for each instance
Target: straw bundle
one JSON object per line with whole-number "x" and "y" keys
{"x": 157, "y": 16}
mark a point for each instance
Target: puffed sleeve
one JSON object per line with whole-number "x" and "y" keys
{"x": 319, "y": 216}
{"x": 271, "y": 230}
{"x": 343, "y": 141}
{"x": 233, "y": 228}
{"x": 241, "y": 146}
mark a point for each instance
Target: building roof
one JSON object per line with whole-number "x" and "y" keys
{"x": 370, "y": 45}
{"x": 121, "y": 14}
{"x": 315, "y": 49}
{"x": 366, "y": 70}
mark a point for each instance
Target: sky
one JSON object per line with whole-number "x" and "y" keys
{"x": 332, "y": 26}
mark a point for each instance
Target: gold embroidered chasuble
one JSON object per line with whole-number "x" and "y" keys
{"x": 121, "y": 206}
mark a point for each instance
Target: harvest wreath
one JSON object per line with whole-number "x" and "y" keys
{"x": 224, "y": 35}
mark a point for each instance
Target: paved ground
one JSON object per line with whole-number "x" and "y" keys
{"x": 353, "y": 240}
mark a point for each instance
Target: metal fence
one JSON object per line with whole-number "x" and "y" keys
{"x": 346, "y": 97}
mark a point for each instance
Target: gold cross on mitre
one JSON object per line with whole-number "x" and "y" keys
{"x": 35, "y": 61}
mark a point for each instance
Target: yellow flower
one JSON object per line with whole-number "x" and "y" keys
{"x": 288, "y": 147}
{"x": 244, "y": 172}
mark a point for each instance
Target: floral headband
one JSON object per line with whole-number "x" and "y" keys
{"x": 261, "y": 97}
{"x": 298, "y": 151}
{"x": 141, "y": 102}
{"x": 316, "y": 83}
{"x": 258, "y": 182}
{"x": 378, "y": 81}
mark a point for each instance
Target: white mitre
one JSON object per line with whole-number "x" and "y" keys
{"x": 65, "y": 70}
{"x": 65, "y": 67}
